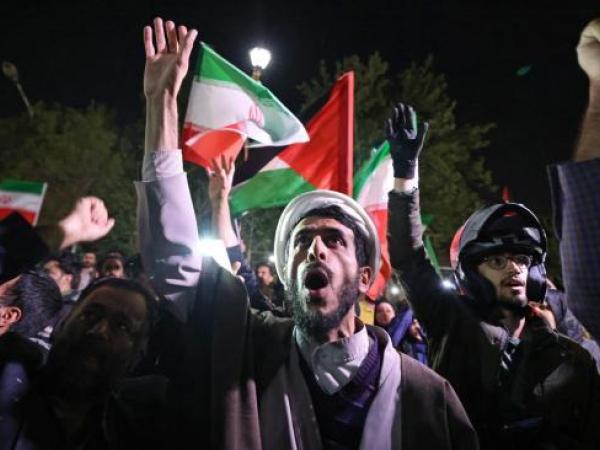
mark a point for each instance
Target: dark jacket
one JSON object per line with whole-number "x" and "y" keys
{"x": 552, "y": 393}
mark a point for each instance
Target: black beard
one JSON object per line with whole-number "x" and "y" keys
{"x": 71, "y": 379}
{"x": 312, "y": 322}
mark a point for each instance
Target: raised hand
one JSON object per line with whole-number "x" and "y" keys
{"x": 221, "y": 179}
{"x": 588, "y": 50}
{"x": 167, "y": 61}
{"x": 88, "y": 221}
{"x": 406, "y": 136}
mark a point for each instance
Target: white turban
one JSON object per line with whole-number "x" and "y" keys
{"x": 297, "y": 209}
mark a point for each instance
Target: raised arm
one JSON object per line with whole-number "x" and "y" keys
{"x": 576, "y": 197}
{"x": 588, "y": 54}
{"x": 166, "y": 220}
{"x": 219, "y": 187}
{"x": 407, "y": 254}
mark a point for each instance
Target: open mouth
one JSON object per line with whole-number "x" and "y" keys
{"x": 316, "y": 279}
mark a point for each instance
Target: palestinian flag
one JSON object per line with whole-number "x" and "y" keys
{"x": 325, "y": 162}
{"x": 371, "y": 186}
{"x": 24, "y": 197}
{"x": 226, "y": 107}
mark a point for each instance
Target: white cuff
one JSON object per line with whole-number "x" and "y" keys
{"x": 162, "y": 164}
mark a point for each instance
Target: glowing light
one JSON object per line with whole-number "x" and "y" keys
{"x": 260, "y": 57}
{"x": 215, "y": 248}
{"x": 394, "y": 290}
{"x": 448, "y": 284}
{"x": 272, "y": 258}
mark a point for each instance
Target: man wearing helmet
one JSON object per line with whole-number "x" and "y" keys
{"x": 522, "y": 384}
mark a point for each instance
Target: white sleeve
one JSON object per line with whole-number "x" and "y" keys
{"x": 162, "y": 164}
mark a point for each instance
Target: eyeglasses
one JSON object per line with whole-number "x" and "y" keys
{"x": 499, "y": 262}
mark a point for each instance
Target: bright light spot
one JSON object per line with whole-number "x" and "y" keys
{"x": 215, "y": 248}
{"x": 447, "y": 284}
{"x": 260, "y": 57}
{"x": 272, "y": 259}
{"x": 394, "y": 290}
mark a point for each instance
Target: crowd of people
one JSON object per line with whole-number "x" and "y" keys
{"x": 190, "y": 353}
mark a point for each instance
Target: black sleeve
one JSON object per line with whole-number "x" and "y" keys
{"x": 434, "y": 306}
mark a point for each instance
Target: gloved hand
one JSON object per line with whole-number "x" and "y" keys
{"x": 406, "y": 137}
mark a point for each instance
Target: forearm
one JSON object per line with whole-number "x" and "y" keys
{"x": 161, "y": 123}
{"x": 221, "y": 222}
{"x": 588, "y": 146}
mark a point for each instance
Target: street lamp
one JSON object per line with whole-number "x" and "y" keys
{"x": 10, "y": 71}
{"x": 260, "y": 58}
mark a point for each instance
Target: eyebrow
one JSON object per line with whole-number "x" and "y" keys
{"x": 313, "y": 231}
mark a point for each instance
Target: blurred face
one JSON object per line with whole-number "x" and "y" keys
{"x": 113, "y": 268}
{"x": 263, "y": 273}
{"x": 323, "y": 275}
{"x": 415, "y": 331}
{"x": 63, "y": 280}
{"x": 384, "y": 314}
{"x": 100, "y": 338}
{"x": 508, "y": 274}
{"x": 89, "y": 260}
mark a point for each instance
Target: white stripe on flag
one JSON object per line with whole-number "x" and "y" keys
{"x": 18, "y": 200}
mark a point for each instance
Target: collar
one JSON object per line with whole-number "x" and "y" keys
{"x": 335, "y": 363}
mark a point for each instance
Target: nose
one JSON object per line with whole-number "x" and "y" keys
{"x": 316, "y": 251}
{"x": 100, "y": 328}
{"x": 513, "y": 267}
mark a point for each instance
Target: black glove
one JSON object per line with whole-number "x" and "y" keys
{"x": 406, "y": 137}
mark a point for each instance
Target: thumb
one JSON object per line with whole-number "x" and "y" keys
{"x": 110, "y": 223}
{"x": 423, "y": 130}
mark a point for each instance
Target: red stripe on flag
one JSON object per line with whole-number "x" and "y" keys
{"x": 29, "y": 216}
{"x": 380, "y": 218}
{"x": 326, "y": 160}
{"x": 201, "y": 149}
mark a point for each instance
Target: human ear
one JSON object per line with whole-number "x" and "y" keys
{"x": 365, "y": 279}
{"x": 9, "y": 315}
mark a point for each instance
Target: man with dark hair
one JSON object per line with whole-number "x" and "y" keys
{"x": 81, "y": 398}
{"x": 523, "y": 385}
{"x": 270, "y": 293}
{"x": 33, "y": 301}
{"x": 113, "y": 265}
{"x": 88, "y": 272}
{"x": 255, "y": 381}
{"x": 64, "y": 270}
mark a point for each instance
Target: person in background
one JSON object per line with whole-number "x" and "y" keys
{"x": 82, "y": 398}
{"x": 113, "y": 265}
{"x": 30, "y": 305}
{"x": 88, "y": 271}
{"x": 64, "y": 270}
{"x": 404, "y": 329}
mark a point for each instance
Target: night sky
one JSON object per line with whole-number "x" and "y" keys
{"x": 73, "y": 52}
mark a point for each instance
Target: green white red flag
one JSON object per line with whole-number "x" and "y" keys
{"x": 325, "y": 162}
{"x": 24, "y": 197}
{"x": 371, "y": 186}
{"x": 226, "y": 106}
{"x": 372, "y": 183}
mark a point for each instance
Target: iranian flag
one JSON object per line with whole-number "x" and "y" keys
{"x": 226, "y": 107}
{"x": 371, "y": 186}
{"x": 325, "y": 162}
{"x": 24, "y": 197}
